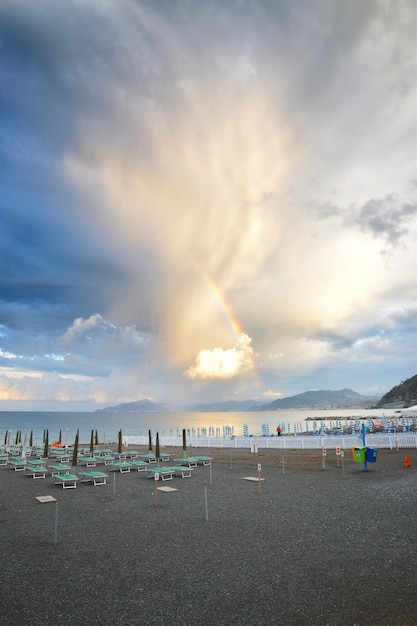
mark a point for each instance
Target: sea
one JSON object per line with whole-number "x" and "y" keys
{"x": 64, "y": 425}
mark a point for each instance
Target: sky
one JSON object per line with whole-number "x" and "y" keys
{"x": 204, "y": 200}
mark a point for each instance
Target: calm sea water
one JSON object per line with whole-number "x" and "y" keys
{"x": 171, "y": 424}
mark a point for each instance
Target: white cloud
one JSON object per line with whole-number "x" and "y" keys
{"x": 219, "y": 363}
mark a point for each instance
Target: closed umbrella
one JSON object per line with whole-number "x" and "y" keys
{"x": 45, "y": 449}
{"x": 92, "y": 443}
{"x": 75, "y": 453}
{"x": 150, "y": 440}
{"x": 157, "y": 451}
{"x": 119, "y": 447}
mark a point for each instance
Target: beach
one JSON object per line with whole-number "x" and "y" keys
{"x": 314, "y": 542}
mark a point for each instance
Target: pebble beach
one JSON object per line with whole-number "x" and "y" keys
{"x": 291, "y": 539}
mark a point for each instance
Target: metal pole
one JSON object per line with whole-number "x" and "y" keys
{"x": 205, "y": 503}
{"x": 56, "y": 524}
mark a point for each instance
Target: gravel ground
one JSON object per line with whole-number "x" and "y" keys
{"x": 306, "y": 546}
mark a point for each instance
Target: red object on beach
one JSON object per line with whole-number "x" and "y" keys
{"x": 407, "y": 462}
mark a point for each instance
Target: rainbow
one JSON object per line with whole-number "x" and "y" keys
{"x": 233, "y": 322}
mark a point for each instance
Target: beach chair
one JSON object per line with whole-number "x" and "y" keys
{"x": 4, "y": 459}
{"x": 188, "y": 461}
{"x": 184, "y": 472}
{"x": 97, "y": 478}
{"x": 68, "y": 481}
{"x": 88, "y": 461}
{"x": 36, "y": 471}
{"x": 141, "y": 466}
{"x": 163, "y": 473}
{"x": 17, "y": 464}
{"x": 120, "y": 466}
{"x": 59, "y": 468}
{"x": 204, "y": 460}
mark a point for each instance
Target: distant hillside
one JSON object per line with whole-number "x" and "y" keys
{"x": 343, "y": 399}
{"x": 139, "y": 406}
{"x": 324, "y": 399}
{"x": 229, "y": 406}
{"x": 403, "y": 395}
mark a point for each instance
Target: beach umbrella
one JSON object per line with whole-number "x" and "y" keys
{"x": 45, "y": 449}
{"x": 92, "y": 442}
{"x": 75, "y": 452}
{"x": 6, "y": 432}
{"x": 17, "y": 438}
{"x": 60, "y": 436}
{"x": 31, "y": 438}
{"x": 119, "y": 447}
{"x": 157, "y": 451}
{"x": 150, "y": 440}
{"x": 184, "y": 439}
{"x": 96, "y": 438}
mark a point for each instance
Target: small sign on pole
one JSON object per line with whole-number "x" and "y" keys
{"x": 337, "y": 456}
{"x": 156, "y": 478}
{"x": 323, "y": 458}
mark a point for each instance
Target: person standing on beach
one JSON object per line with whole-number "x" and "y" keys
{"x": 278, "y": 431}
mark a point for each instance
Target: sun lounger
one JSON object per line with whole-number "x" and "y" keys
{"x": 59, "y": 468}
{"x": 35, "y": 462}
{"x": 107, "y": 459}
{"x": 120, "y": 466}
{"x": 36, "y": 471}
{"x": 4, "y": 459}
{"x": 189, "y": 461}
{"x": 88, "y": 461}
{"x": 68, "y": 481}
{"x": 204, "y": 460}
{"x": 184, "y": 472}
{"x": 193, "y": 461}
{"x": 18, "y": 465}
{"x": 141, "y": 466}
{"x": 97, "y": 478}
{"x": 163, "y": 473}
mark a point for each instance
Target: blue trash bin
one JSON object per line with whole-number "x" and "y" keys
{"x": 371, "y": 455}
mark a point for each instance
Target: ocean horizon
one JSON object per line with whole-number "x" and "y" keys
{"x": 216, "y": 424}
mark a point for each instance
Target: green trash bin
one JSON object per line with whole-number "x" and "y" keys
{"x": 371, "y": 455}
{"x": 359, "y": 454}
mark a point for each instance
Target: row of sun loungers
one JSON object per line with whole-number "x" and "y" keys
{"x": 62, "y": 475}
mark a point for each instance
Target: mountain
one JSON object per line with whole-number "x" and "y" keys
{"x": 343, "y": 399}
{"x": 403, "y": 395}
{"x": 139, "y": 406}
{"x": 324, "y": 399}
{"x": 229, "y": 406}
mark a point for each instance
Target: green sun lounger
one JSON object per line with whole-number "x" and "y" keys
{"x": 59, "y": 468}
{"x": 36, "y": 471}
{"x": 182, "y": 470}
{"x": 18, "y": 465}
{"x": 163, "y": 473}
{"x": 97, "y": 478}
{"x": 120, "y": 466}
{"x": 68, "y": 481}
{"x": 141, "y": 466}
